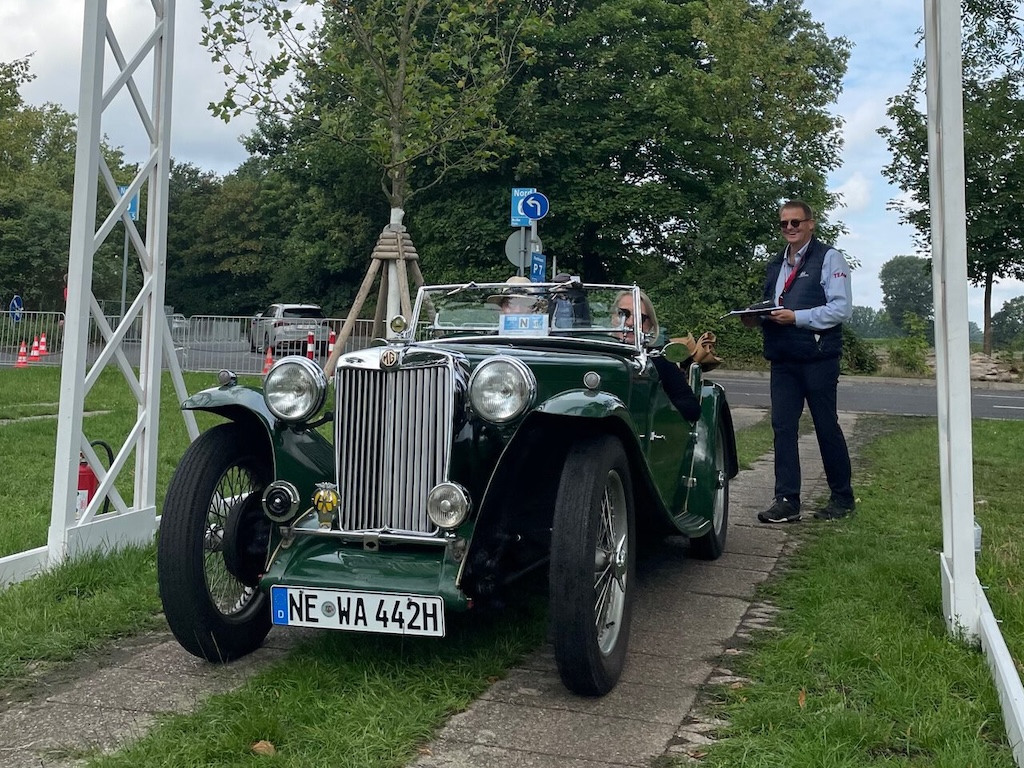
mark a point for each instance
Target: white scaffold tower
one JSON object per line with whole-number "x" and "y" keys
{"x": 126, "y": 521}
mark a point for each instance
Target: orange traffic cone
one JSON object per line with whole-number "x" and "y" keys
{"x": 310, "y": 345}
{"x": 33, "y": 356}
{"x": 22, "y": 356}
{"x": 330, "y": 343}
{"x": 42, "y": 345}
{"x": 268, "y": 361}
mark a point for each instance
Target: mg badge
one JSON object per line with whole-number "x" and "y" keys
{"x": 389, "y": 358}
{"x": 325, "y": 501}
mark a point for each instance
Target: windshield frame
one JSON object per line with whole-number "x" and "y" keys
{"x": 424, "y": 316}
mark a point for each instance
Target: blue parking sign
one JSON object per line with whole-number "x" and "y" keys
{"x": 538, "y": 264}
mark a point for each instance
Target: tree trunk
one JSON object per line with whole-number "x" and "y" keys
{"x": 987, "y": 339}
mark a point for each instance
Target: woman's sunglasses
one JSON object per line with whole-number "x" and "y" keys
{"x": 626, "y": 314}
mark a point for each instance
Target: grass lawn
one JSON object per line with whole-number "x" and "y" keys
{"x": 863, "y": 673}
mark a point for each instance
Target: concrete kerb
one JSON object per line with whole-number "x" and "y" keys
{"x": 691, "y": 618}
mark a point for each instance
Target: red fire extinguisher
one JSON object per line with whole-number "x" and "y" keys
{"x": 87, "y": 485}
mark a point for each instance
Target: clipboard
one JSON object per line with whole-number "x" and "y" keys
{"x": 761, "y": 308}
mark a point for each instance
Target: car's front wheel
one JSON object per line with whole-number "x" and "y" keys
{"x": 593, "y": 564}
{"x": 213, "y": 546}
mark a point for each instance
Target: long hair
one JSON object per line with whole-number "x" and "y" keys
{"x": 647, "y": 309}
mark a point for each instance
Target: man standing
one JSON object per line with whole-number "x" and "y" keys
{"x": 803, "y": 340}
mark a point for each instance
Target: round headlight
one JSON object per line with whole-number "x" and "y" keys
{"x": 447, "y": 505}
{"x": 501, "y": 389}
{"x": 398, "y": 324}
{"x": 295, "y": 388}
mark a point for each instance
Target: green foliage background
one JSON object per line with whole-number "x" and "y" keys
{"x": 664, "y": 133}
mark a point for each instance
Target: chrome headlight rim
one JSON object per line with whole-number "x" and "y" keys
{"x": 456, "y": 501}
{"x": 308, "y": 403}
{"x": 527, "y": 383}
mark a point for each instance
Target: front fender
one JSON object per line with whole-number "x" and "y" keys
{"x": 234, "y": 403}
{"x": 585, "y": 403}
{"x": 301, "y": 455}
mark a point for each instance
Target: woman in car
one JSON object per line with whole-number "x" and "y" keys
{"x": 673, "y": 381}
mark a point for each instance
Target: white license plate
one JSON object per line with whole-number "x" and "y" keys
{"x": 378, "y": 612}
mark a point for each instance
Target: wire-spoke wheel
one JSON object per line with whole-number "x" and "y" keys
{"x": 593, "y": 566}
{"x": 213, "y": 546}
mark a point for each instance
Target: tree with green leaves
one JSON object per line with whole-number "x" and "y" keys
{"x": 665, "y": 135}
{"x": 907, "y": 288}
{"x": 993, "y": 46}
{"x": 1008, "y": 324}
{"x": 871, "y": 323}
{"x": 412, "y": 84}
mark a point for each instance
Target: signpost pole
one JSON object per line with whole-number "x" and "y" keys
{"x": 124, "y": 274}
{"x": 524, "y": 250}
{"x": 133, "y": 214}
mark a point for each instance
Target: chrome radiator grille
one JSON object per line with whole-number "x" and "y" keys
{"x": 393, "y": 433}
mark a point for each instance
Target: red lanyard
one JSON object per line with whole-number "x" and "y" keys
{"x": 792, "y": 277}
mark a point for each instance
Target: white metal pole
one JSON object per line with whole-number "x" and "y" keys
{"x": 80, "y": 259}
{"x": 154, "y": 321}
{"x": 949, "y": 277}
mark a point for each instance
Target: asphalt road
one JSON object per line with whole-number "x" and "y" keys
{"x": 903, "y": 397}
{"x": 857, "y": 394}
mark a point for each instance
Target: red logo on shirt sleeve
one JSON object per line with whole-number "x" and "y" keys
{"x": 838, "y": 275}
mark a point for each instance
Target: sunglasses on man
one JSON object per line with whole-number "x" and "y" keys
{"x": 791, "y": 223}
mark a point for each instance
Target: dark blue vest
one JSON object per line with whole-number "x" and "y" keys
{"x": 787, "y": 343}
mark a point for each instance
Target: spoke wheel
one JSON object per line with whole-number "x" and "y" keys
{"x": 711, "y": 545}
{"x": 212, "y": 546}
{"x": 593, "y": 566}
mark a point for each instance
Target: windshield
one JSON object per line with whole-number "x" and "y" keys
{"x": 533, "y": 310}
{"x": 303, "y": 312}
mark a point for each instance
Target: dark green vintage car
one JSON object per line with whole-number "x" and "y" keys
{"x": 505, "y": 430}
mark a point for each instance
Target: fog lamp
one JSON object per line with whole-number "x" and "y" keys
{"x": 447, "y": 505}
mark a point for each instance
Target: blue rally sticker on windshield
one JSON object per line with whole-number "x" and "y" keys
{"x": 523, "y": 325}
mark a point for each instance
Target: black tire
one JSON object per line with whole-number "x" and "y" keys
{"x": 593, "y": 566}
{"x": 213, "y": 544}
{"x": 711, "y": 545}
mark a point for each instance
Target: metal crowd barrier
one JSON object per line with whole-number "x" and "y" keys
{"x": 201, "y": 342}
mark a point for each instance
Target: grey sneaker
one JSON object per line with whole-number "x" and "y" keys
{"x": 782, "y": 511}
{"x": 834, "y": 511}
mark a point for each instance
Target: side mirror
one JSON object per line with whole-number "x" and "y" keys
{"x": 675, "y": 352}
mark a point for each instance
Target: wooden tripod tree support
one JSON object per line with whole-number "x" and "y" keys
{"x": 393, "y": 246}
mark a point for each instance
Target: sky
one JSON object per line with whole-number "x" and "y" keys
{"x": 884, "y": 35}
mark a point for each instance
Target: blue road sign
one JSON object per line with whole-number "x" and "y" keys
{"x": 518, "y": 218}
{"x": 133, "y": 204}
{"x": 538, "y": 263}
{"x": 16, "y": 308}
{"x": 535, "y": 205}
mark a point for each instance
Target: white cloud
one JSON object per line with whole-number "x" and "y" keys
{"x": 855, "y": 193}
{"x": 51, "y": 30}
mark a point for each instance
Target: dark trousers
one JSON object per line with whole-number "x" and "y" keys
{"x": 793, "y": 384}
